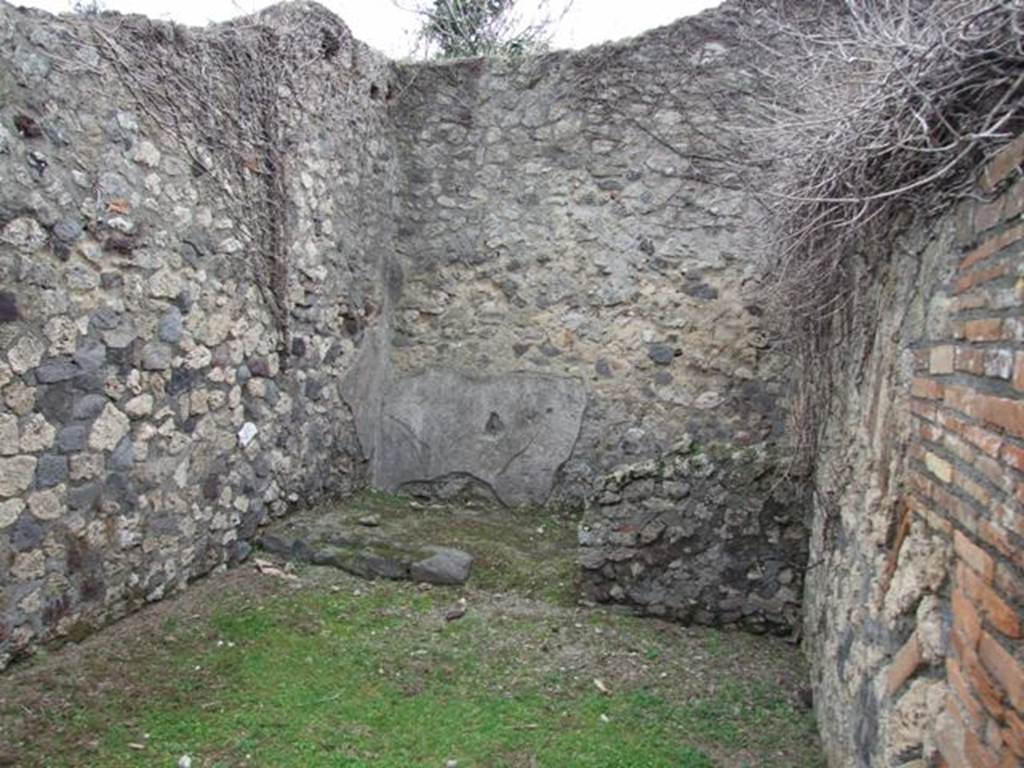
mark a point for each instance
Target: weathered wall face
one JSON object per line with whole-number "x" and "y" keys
{"x": 916, "y": 578}
{"x": 151, "y": 417}
{"x": 516, "y": 278}
{"x": 706, "y": 534}
{"x": 567, "y": 216}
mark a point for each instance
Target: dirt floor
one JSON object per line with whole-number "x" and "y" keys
{"x": 309, "y": 666}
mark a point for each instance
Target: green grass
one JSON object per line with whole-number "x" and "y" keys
{"x": 256, "y": 671}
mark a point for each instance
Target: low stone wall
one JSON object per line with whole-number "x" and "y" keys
{"x": 701, "y": 534}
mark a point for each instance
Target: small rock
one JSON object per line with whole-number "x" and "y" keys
{"x": 446, "y": 566}
{"x": 247, "y": 433}
{"x": 156, "y": 357}
{"x": 108, "y": 429}
{"x": 457, "y": 611}
{"x": 67, "y": 230}
{"x": 27, "y": 126}
{"x": 661, "y": 354}
{"x": 171, "y": 327}
{"x": 370, "y": 521}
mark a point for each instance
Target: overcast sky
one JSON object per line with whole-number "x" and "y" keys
{"x": 384, "y": 25}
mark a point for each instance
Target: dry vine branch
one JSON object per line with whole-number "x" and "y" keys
{"x": 900, "y": 104}
{"x": 220, "y": 94}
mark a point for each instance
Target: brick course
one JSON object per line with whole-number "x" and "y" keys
{"x": 967, "y": 471}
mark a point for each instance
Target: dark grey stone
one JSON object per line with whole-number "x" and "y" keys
{"x": 171, "y": 327}
{"x": 105, "y": 319}
{"x": 91, "y": 355}
{"x": 73, "y": 438}
{"x": 88, "y": 407}
{"x": 56, "y": 369}
{"x": 181, "y": 381}
{"x": 661, "y": 354}
{"x": 27, "y": 533}
{"x": 67, "y": 230}
{"x": 445, "y": 566}
{"x": 8, "y": 307}
{"x": 123, "y": 456}
{"x": 56, "y": 401}
{"x": 83, "y": 496}
{"x": 156, "y": 357}
{"x": 51, "y": 470}
{"x": 240, "y": 551}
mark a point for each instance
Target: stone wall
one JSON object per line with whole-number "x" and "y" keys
{"x": 916, "y": 580}
{"x": 571, "y": 216}
{"x": 706, "y": 534}
{"x": 154, "y": 414}
{"x": 516, "y": 278}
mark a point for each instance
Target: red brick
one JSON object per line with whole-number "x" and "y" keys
{"x": 960, "y": 398}
{"x": 977, "y": 754}
{"x": 923, "y": 409}
{"x": 906, "y": 662}
{"x": 965, "y": 282}
{"x": 1004, "y": 668}
{"x": 929, "y": 431}
{"x": 982, "y": 685}
{"x": 1001, "y": 412}
{"x": 996, "y": 473}
{"x": 1014, "y": 733}
{"x": 929, "y": 389}
{"x": 970, "y": 301}
{"x": 920, "y": 356}
{"x": 987, "y": 329}
{"x": 995, "y": 535}
{"x": 955, "y": 508}
{"x": 969, "y": 705}
{"x": 974, "y": 556}
{"x": 999, "y": 364}
{"x": 966, "y": 622}
{"x": 1009, "y": 582}
{"x": 1012, "y": 456}
{"x": 987, "y": 441}
{"x": 970, "y": 360}
{"x": 999, "y": 615}
{"x": 991, "y": 246}
{"x": 1002, "y": 165}
{"x": 966, "y": 453}
{"x": 1011, "y": 517}
{"x": 973, "y": 489}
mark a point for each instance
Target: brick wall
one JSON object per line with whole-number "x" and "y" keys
{"x": 965, "y": 471}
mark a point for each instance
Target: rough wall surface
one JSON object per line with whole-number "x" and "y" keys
{"x": 916, "y": 578}
{"x": 514, "y": 431}
{"x": 568, "y": 216}
{"x": 513, "y": 277}
{"x": 152, "y": 417}
{"x": 706, "y": 534}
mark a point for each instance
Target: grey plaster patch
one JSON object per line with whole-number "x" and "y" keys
{"x": 445, "y": 422}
